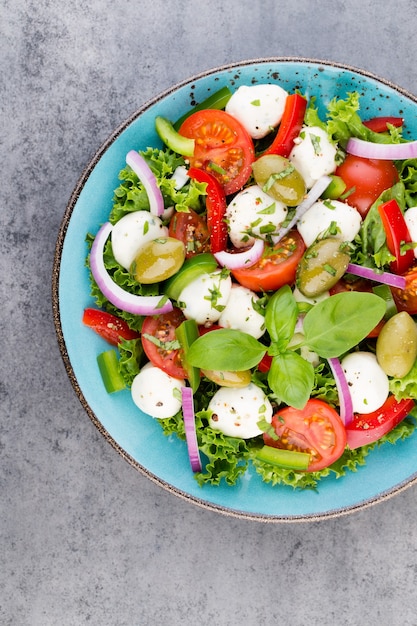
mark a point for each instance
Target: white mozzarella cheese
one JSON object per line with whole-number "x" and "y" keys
{"x": 253, "y": 213}
{"x": 236, "y": 412}
{"x": 204, "y": 298}
{"x": 368, "y": 383}
{"x": 313, "y": 154}
{"x": 258, "y": 108}
{"x": 410, "y": 217}
{"x": 156, "y": 393}
{"x": 240, "y": 313}
{"x": 322, "y": 214}
{"x": 131, "y": 232}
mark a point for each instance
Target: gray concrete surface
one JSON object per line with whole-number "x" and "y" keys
{"x": 84, "y": 538}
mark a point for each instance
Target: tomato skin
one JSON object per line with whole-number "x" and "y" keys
{"x": 380, "y": 124}
{"x": 365, "y": 429}
{"x": 223, "y": 147}
{"x": 276, "y": 268}
{"x": 108, "y": 326}
{"x": 317, "y": 429}
{"x": 190, "y": 228}
{"x": 162, "y": 327}
{"x": 368, "y": 178}
{"x": 406, "y": 299}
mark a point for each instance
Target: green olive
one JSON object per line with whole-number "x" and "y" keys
{"x": 158, "y": 260}
{"x": 396, "y": 346}
{"x": 278, "y": 177}
{"x": 322, "y": 265}
{"x": 228, "y": 379}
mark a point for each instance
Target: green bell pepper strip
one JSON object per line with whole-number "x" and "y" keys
{"x": 289, "y": 459}
{"x": 191, "y": 269}
{"x": 108, "y": 364}
{"x": 171, "y": 138}
{"x": 217, "y": 100}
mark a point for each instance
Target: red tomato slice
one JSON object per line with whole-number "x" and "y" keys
{"x": 192, "y": 230}
{"x": 406, "y": 299}
{"x": 222, "y": 147}
{"x": 108, "y": 326}
{"x": 380, "y": 124}
{"x": 367, "y": 179}
{"x": 277, "y": 267}
{"x": 159, "y": 341}
{"x": 365, "y": 429}
{"x": 316, "y": 429}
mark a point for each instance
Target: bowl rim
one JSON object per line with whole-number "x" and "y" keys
{"x": 56, "y": 314}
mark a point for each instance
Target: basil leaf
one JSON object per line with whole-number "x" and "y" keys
{"x": 291, "y": 378}
{"x": 281, "y": 316}
{"x": 340, "y": 322}
{"x": 225, "y": 349}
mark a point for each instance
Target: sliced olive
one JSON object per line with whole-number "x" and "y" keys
{"x": 158, "y": 260}
{"x": 228, "y": 379}
{"x": 322, "y": 265}
{"x": 396, "y": 346}
{"x": 278, "y": 177}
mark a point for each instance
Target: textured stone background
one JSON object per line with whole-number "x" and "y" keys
{"x": 84, "y": 538}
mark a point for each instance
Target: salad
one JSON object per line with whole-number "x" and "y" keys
{"x": 257, "y": 277}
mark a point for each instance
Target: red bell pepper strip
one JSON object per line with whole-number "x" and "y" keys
{"x": 365, "y": 429}
{"x": 290, "y": 126}
{"x": 216, "y": 208}
{"x": 380, "y": 124}
{"x": 108, "y": 326}
{"x": 397, "y": 234}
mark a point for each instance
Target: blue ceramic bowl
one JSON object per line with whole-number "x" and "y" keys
{"x": 136, "y": 436}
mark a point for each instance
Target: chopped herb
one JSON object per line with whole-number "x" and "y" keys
{"x": 256, "y": 103}
{"x": 268, "y": 210}
{"x": 277, "y": 176}
{"x": 315, "y": 140}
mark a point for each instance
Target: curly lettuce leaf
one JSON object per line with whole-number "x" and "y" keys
{"x": 405, "y": 387}
{"x": 131, "y": 355}
{"x": 131, "y": 195}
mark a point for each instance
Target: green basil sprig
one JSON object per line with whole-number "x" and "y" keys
{"x": 330, "y": 328}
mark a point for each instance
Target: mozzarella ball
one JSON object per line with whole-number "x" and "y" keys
{"x": 410, "y": 217}
{"x": 205, "y": 298}
{"x": 258, "y": 108}
{"x": 131, "y": 232}
{"x": 368, "y": 384}
{"x": 322, "y": 214}
{"x": 240, "y": 314}
{"x": 253, "y": 213}
{"x": 313, "y": 154}
{"x": 236, "y": 412}
{"x": 156, "y": 393}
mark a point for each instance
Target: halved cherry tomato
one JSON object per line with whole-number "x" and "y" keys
{"x": 365, "y": 429}
{"x": 365, "y": 180}
{"x": 380, "y": 124}
{"x": 290, "y": 126}
{"x": 192, "y": 230}
{"x": 223, "y": 147}
{"x": 317, "y": 429}
{"x": 108, "y": 326}
{"x": 276, "y": 267}
{"x": 216, "y": 208}
{"x": 396, "y": 232}
{"x": 406, "y": 299}
{"x": 160, "y": 343}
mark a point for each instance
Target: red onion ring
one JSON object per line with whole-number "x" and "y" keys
{"x": 385, "y": 151}
{"x": 241, "y": 259}
{"x": 386, "y": 278}
{"x": 148, "y": 179}
{"x": 190, "y": 430}
{"x": 345, "y": 399}
{"x": 138, "y": 305}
